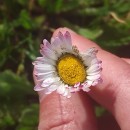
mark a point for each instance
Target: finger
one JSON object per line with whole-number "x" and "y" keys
{"x": 59, "y": 113}
{"x": 113, "y": 93}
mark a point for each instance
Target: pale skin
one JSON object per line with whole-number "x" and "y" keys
{"x": 77, "y": 113}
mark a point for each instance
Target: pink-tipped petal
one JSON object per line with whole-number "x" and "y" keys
{"x": 66, "y": 39}
{"x": 93, "y": 68}
{"x": 77, "y": 85}
{"x": 46, "y": 43}
{"x": 53, "y": 87}
{"x": 49, "y": 81}
{"x": 92, "y": 52}
{"x": 66, "y": 93}
{"x": 86, "y": 89}
{"x": 38, "y": 87}
{"x": 93, "y": 77}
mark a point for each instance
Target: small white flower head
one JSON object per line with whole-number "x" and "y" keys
{"x": 64, "y": 69}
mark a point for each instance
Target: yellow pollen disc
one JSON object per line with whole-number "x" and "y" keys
{"x": 71, "y": 69}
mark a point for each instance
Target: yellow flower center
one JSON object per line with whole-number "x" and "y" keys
{"x": 71, "y": 69}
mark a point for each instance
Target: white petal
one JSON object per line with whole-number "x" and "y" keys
{"x": 66, "y": 92}
{"x": 44, "y": 60}
{"x": 46, "y": 43}
{"x": 86, "y": 89}
{"x": 41, "y": 70}
{"x": 56, "y": 45}
{"x": 93, "y": 68}
{"x": 87, "y": 83}
{"x": 94, "y": 61}
{"x": 67, "y": 40}
{"x": 38, "y": 87}
{"x": 46, "y": 91}
{"x": 91, "y": 52}
{"x": 46, "y": 46}
{"x": 72, "y": 90}
{"x": 49, "y": 81}
{"x": 44, "y": 73}
{"x": 49, "y": 76}
{"x": 46, "y": 67}
{"x": 52, "y": 87}
{"x": 46, "y": 50}
{"x": 50, "y": 54}
{"x": 40, "y": 78}
{"x": 94, "y": 72}
{"x": 97, "y": 81}
{"x": 93, "y": 77}
{"x": 86, "y": 59}
{"x": 77, "y": 85}
{"x": 86, "y": 86}
{"x": 61, "y": 89}
{"x": 60, "y": 46}
{"x": 69, "y": 95}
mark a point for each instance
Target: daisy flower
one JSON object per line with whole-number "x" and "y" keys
{"x": 62, "y": 68}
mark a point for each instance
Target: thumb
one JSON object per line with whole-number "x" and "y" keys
{"x": 60, "y": 113}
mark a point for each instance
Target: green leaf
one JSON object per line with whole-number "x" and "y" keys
{"x": 25, "y": 20}
{"x": 14, "y": 88}
{"x": 23, "y": 2}
{"x": 6, "y": 119}
{"x": 29, "y": 115}
{"x": 90, "y": 34}
{"x": 29, "y": 118}
{"x": 42, "y": 3}
{"x": 14, "y": 101}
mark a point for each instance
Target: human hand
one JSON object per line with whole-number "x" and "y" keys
{"x": 77, "y": 113}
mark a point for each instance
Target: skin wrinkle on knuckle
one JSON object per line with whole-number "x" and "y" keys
{"x": 56, "y": 124}
{"x": 65, "y": 126}
{"x": 61, "y": 126}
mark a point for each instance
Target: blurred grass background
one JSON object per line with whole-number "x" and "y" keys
{"x": 24, "y": 24}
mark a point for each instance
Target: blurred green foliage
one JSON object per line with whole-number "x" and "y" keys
{"x": 23, "y": 25}
{"x": 17, "y": 109}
